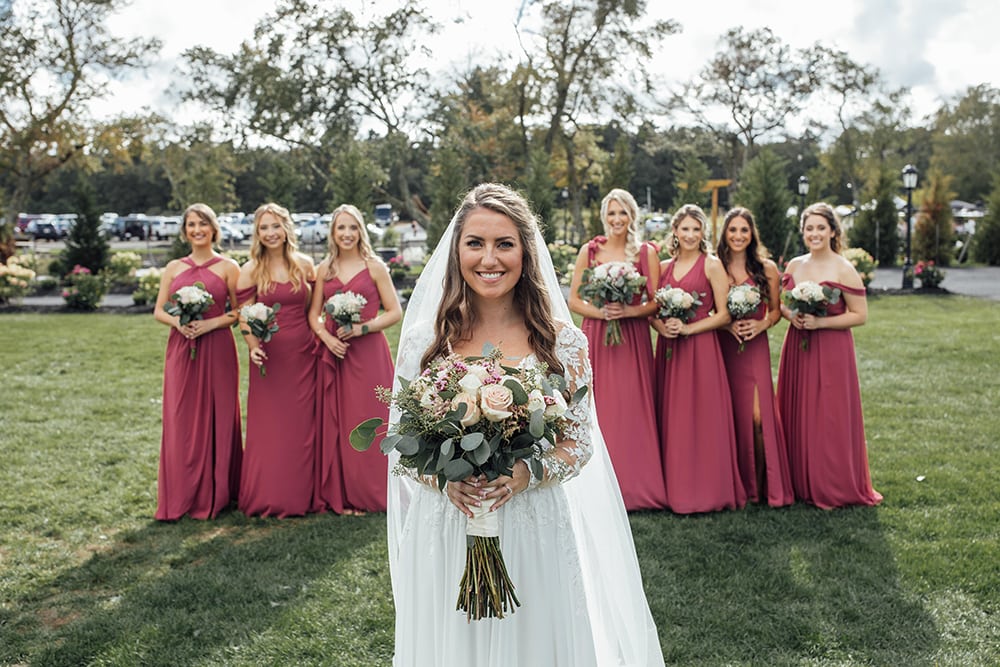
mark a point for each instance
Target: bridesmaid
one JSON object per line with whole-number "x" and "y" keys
{"x": 356, "y": 361}
{"x": 818, "y": 391}
{"x": 278, "y": 464}
{"x": 202, "y": 445}
{"x": 623, "y": 374}
{"x": 697, "y": 438}
{"x": 760, "y": 441}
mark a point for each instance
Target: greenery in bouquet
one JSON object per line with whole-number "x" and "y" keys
{"x": 863, "y": 262}
{"x": 84, "y": 290}
{"x": 611, "y": 282}
{"x": 467, "y": 416}
{"x": 742, "y": 302}
{"x": 345, "y": 308}
{"x": 810, "y": 298}
{"x": 929, "y": 274}
{"x": 189, "y": 303}
{"x": 262, "y": 323}
{"x": 15, "y": 280}
{"x": 676, "y": 303}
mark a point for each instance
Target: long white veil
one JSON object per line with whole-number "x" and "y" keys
{"x": 624, "y": 632}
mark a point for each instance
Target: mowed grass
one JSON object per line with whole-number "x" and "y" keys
{"x": 88, "y": 578}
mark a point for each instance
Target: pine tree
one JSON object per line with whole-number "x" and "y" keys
{"x": 934, "y": 235}
{"x": 986, "y": 240}
{"x": 763, "y": 190}
{"x": 876, "y": 227}
{"x": 448, "y": 184}
{"x": 85, "y": 245}
{"x": 539, "y": 188}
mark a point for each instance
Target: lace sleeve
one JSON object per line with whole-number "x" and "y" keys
{"x": 565, "y": 460}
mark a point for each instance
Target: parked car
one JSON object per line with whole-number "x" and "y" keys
{"x": 166, "y": 227}
{"x": 64, "y": 223}
{"x": 656, "y": 223}
{"x": 230, "y": 234}
{"x": 44, "y": 228}
{"x": 134, "y": 226}
{"x": 383, "y": 215}
{"x": 314, "y": 231}
{"x": 245, "y": 225}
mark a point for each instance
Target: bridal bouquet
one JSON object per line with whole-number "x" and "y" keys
{"x": 617, "y": 282}
{"x": 345, "y": 307}
{"x": 471, "y": 416}
{"x": 261, "y": 322}
{"x": 675, "y": 302}
{"x": 189, "y": 303}
{"x": 742, "y": 302}
{"x": 809, "y": 298}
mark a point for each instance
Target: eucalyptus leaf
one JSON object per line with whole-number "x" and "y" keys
{"x": 536, "y": 468}
{"x": 520, "y": 395}
{"x": 389, "y": 443}
{"x": 579, "y": 394}
{"x": 408, "y": 445}
{"x": 363, "y": 434}
{"x": 458, "y": 469}
{"x": 482, "y": 453}
{"x": 536, "y": 427}
{"x": 448, "y": 447}
{"x": 470, "y": 441}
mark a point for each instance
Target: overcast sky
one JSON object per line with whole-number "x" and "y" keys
{"x": 935, "y": 48}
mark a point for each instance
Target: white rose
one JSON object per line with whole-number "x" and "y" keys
{"x": 495, "y": 400}
{"x": 739, "y": 298}
{"x": 428, "y": 397}
{"x": 536, "y": 401}
{"x": 470, "y": 383}
{"x": 472, "y": 412}
{"x": 189, "y": 294}
{"x": 558, "y": 408}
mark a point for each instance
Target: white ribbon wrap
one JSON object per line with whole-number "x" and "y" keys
{"x": 484, "y": 523}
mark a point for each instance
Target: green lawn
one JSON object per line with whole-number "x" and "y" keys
{"x": 88, "y": 578}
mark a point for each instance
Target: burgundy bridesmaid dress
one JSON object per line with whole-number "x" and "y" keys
{"x": 202, "y": 445}
{"x": 623, "y": 393}
{"x": 346, "y": 478}
{"x": 697, "y": 437}
{"x": 279, "y": 460}
{"x": 820, "y": 402}
{"x": 749, "y": 374}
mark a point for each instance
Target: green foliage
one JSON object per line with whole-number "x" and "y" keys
{"x": 763, "y": 190}
{"x": 564, "y": 260}
{"x": 84, "y": 290}
{"x": 121, "y": 267}
{"x": 354, "y": 178}
{"x": 691, "y": 175}
{"x": 863, "y": 263}
{"x": 447, "y": 185}
{"x": 179, "y": 248}
{"x": 934, "y": 234}
{"x": 539, "y": 188}
{"x": 201, "y": 170}
{"x": 929, "y": 274}
{"x": 619, "y": 170}
{"x": 148, "y": 287}
{"x": 875, "y": 228}
{"x": 240, "y": 256}
{"x": 986, "y": 241}
{"x": 966, "y": 140}
{"x": 85, "y": 245}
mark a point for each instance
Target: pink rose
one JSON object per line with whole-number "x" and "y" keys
{"x": 472, "y": 412}
{"x": 495, "y": 400}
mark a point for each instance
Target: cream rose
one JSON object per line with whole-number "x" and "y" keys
{"x": 495, "y": 399}
{"x": 472, "y": 412}
{"x": 536, "y": 401}
{"x": 470, "y": 382}
{"x": 558, "y": 407}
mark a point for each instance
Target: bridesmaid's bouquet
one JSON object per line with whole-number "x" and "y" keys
{"x": 742, "y": 302}
{"x": 189, "y": 303}
{"x": 345, "y": 308}
{"x": 809, "y": 298}
{"x": 616, "y": 282}
{"x": 676, "y": 303}
{"x": 471, "y": 416}
{"x": 261, "y": 322}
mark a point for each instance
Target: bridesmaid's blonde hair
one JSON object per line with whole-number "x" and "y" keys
{"x": 364, "y": 244}
{"x": 261, "y": 272}
{"x": 688, "y": 211}
{"x": 627, "y": 201}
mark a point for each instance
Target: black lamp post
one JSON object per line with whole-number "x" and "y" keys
{"x": 909, "y": 182}
{"x": 803, "y": 191}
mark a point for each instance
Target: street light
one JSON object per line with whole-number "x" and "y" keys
{"x": 803, "y": 191}
{"x": 909, "y": 182}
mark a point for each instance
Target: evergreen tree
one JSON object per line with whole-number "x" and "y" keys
{"x": 763, "y": 189}
{"x": 876, "y": 228}
{"x": 540, "y": 188}
{"x": 986, "y": 244}
{"x": 85, "y": 245}
{"x": 448, "y": 184}
{"x": 355, "y": 177}
{"x": 934, "y": 235}
{"x": 691, "y": 175}
{"x": 619, "y": 171}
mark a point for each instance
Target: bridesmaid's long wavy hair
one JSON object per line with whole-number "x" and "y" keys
{"x": 456, "y": 318}
{"x": 364, "y": 243}
{"x": 823, "y": 209}
{"x": 756, "y": 253}
{"x": 688, "y": 211}
{"x": 261, "y": 273}
{"x": 205, "y": 212}
{"x": 627, "y": 201}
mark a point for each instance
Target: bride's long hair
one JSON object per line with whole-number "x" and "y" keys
{"x": 456, "y": 318}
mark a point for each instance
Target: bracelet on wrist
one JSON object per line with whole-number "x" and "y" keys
{"x": 364, "y": 329}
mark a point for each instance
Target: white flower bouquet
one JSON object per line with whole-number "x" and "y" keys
{"x": 742, "y": 302}
{"x": 345, "y": 308}
{"x": 472, "y": 416}
{"x": 189, "y": 303}
{"x": 676, "y": 303}
{"x": 262, "y": 322}
{"x": 809, "y": 298}
{"x": 616, "y": 282}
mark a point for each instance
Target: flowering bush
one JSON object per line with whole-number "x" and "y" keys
{"x": 564, "y": 261}
{"x": 121, "y": 267}
{"x": 241, "y": 257}
{"x": 15, "y": 280}
{"x": 863, "y": 262}
{"x": 149, "y": 286}
{"x": 398, "y": 269}
{"x": 928, "y": 274}
{"x": 85, "y": 290}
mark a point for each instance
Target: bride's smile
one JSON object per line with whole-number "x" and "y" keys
{"x": 490, "y": 253}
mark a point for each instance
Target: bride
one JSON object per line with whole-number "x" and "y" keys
{"x": 566, "y": 538}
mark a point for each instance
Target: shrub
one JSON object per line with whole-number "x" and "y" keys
{"x": 149, "y": 286}
{"x": 121, "y": 268}
{"x": 928, "y": 274}
{"x": 85, "y": 290}
{"x": 15, "y": 280}
{"x": 863, "y": 262}
{"x": 240, "y": 256}
{"x": 564, "y": 261}
{"x": 399, "y": 269}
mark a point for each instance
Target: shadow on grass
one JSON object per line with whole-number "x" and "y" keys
{"x": 785, "y": 586}
{"x": 193, "y": 591}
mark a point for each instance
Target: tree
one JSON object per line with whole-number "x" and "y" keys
{"x": 539, "y": 187}
{"x": 764, "y": 191}
{"x": 55, "y": 56}
{"x": 934, "y": 236}
{"x": 85, "y": 245}
{"x": 758, "y": 82}
{"x": 876, "y": 225}
{"x": 619, "y": 170}
{"x": 200, "y": 170}
{"x": 986, "y": 246}
{"x": 355, "y": 177}
{"x": 966, "y": 140}
{"x": 577, "y": 60}
{"x": 448, "y": 184}
{"x": 691, "y": 176}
